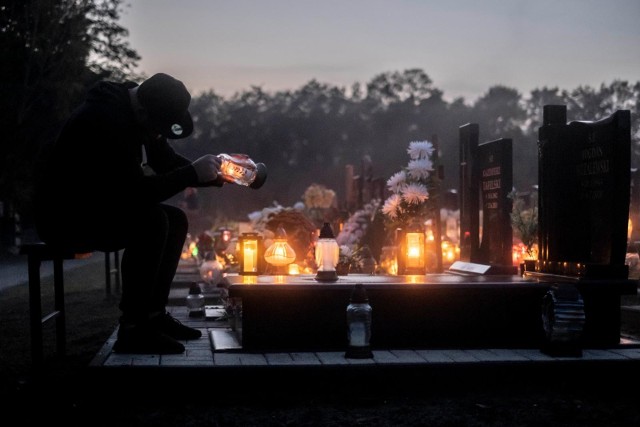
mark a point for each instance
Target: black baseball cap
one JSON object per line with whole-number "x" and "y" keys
{"x": 166, "y": 100}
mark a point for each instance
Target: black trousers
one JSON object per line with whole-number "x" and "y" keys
{"x": 152, "y": 240}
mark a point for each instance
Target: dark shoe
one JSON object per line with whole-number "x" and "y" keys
{"x": 172, "y": 327}
{"x": 145, "y": 340}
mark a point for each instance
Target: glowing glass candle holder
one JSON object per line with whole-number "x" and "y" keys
{"x": 240, "y": 169}
{"x": 280, "y": 254}
{"x": 250, "y": 254}
{"x": 294, "y": 269}
{"x": 327, "y": 254}
{"x": 412, "y": 258}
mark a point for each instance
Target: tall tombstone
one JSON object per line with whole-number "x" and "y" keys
{"x": 584, "y": 178}
{"x": 486, "y": 179}
{"x": 634, "y": 209}
{"x": 468, "y": 193}
{"x": 495, "y": 164}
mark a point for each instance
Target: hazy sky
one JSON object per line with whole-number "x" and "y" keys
{"x": 465, "y": 46}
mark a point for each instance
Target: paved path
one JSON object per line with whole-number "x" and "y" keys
{"x": 13, "y": 268}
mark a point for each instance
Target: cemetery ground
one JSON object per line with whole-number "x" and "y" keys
{"x": 64, "y": 393}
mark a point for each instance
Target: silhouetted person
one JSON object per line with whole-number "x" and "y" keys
{"x": 102, "y": 184}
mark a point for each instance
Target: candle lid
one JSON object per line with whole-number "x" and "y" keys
{"x": 261, "y": 176}
{"x": 194, "y": 289}
{"x": 326, "y": 232}
{"x": 359, "y": 294}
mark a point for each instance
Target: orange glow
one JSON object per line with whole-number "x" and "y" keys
{"x": 414, "y": 278}
{"x": 280, "y": 253}
{"x": 415, "y": 250}
{"x": 249, "y": 280}
{"x": 251, "y": 253}
{"x": 294, "y": 269}
{"x": 450, "y": 251}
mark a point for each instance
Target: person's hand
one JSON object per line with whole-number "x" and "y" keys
{"x": 207, "y": 168}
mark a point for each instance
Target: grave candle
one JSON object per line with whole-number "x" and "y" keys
{"x": 415, "y": 250}
{"x": 327, "y": 254}
{"x": 250, "y": 253}
{"x": 280, "y": 253}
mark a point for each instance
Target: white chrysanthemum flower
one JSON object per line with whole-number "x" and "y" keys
{"x": 420, "y": 149}
{"x": 415, "y": 194}
{"x": 391, "y": 206}
{"x": 254, "y": 216}
{"x": 397, "y": 181}
{"x": 420, "y": 168}
{"x": 346, "y": 250}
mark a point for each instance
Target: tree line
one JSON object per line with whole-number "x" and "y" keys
{"x": 54, "y": 51}
{"x": 308, "y": 135}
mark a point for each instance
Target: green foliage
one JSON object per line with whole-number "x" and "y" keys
{"x": 524, "y": 222}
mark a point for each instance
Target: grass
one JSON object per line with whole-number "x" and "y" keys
{"x": 91, "y": 317}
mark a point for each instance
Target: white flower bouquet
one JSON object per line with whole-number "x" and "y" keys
{"x": 410, "y": 186}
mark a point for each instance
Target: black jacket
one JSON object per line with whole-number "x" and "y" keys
{"x": 94, "y": 168}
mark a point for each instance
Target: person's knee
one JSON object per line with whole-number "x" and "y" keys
{"x": 177, "y": 219}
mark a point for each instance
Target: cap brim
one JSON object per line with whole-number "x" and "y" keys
{"x": 176, "y": 129}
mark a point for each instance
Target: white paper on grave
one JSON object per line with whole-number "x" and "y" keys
{"x": 470, "y": 267}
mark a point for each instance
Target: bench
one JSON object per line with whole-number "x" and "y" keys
{"x": 37, "y": 253}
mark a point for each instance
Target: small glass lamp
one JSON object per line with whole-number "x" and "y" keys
{"x": 327, "y": 255}
{"x": 280, "y": 254}
{"x": 413, "y": 252}
{"x": 250, "y": 254}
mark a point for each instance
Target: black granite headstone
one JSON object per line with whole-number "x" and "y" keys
{"x": 486, "y": 172}
{"x": 634, "y": 208}
{"x": 469, "y": 193}
{"x": 584, "y": 179}
{"x": 495, "y": 163}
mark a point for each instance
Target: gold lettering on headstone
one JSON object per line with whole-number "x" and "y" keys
{"x": 491, "y": 184}
{"x": 590, "y": 171}
{"x": 493, "y": 171}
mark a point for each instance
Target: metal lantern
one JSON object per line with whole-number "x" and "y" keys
{"x": 280, "y": 253}
{"x": 250, "y": 254}
{"x": 413, "y": 251}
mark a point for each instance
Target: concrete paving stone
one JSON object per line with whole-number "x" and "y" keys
{"x": 119, "y": 360}
{"x": 435, "y": 356}
{"x": 464, "y": 356}
{"x": 383, "y": 356}
{"x": 509, "y": 354}
{"x": 202, "y": 343}
{"x": 371, "y": 361}
{"x": 279, "y": 358}
{"x": 239, "y": 359}
{"x": 408, "y": 356}
{"x": 533, "y": 354}
{"x": 387, "y": 357}
{"x": 189, "y": 362}
{"x": 332, "y": 358}
{"x": 198, "y": 353}
{"x": 598, "y": 354}
{"x": 629, "y": 353}
{"x": 305, "y": 359}
{"x": 145, "y": 360}
{"x": 497, "y": 355}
